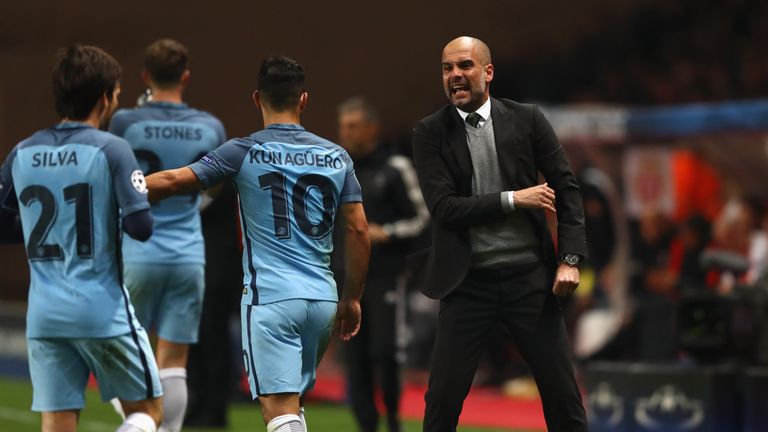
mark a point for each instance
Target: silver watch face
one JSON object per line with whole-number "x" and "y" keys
{"x": 571, "y": 259}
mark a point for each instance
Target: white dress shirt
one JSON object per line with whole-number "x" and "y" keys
{"x": 484, "y": 111}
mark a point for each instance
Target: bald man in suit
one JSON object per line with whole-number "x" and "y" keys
{"x": 492, "y": 258}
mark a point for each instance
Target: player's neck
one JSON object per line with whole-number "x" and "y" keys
{"x": 167, "y": 95}
{"x": 285, "y": 117}
{"x": 94, "y": 120}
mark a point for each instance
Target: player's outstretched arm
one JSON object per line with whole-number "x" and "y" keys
{"x": 168, "y": 183}
{"x": 357, "y": 250}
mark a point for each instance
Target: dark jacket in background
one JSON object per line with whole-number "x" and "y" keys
{"x": 391, "y": 198}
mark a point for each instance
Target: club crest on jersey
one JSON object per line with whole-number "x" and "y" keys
{"x": 138, "y": 181}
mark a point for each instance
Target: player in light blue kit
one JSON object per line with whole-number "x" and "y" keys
{"x": 68, "y": 183}
{"x": 291, "y": 183}
{"x": 165, "y": 275}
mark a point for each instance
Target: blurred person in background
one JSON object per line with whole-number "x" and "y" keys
{"x": 738, "y": 230}
{"x": 396, "y": 215}
{"x": 598, "y": 312}
{"x": 76, "y": 189}
{"x": 652, "y": 288}
{"x": 694, "y": 237}
{"x": 600, "y": 227}
{"x": 166, "y": 275}
{"x": 492, "y": 259}
{"x": 758, "y": 249}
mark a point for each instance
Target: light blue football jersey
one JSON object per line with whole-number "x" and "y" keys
{"x": 69, "y": 183}
{"x": 290, "y": 183}
{"x": 166, "y": 136}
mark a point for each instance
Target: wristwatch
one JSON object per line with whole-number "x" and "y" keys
{"x": 571, "y": 259}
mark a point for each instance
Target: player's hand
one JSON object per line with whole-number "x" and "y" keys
{"x": 541, "y": 196}
{"x": 566, "y": 280}
{"x": 348, "y": 317}
{"x": 377, "y": 234}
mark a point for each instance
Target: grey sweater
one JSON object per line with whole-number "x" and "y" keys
{"x": 512, "y": 241}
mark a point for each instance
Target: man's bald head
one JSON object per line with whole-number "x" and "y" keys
{"x": 463, "y": 43}
{"x": 467, "y": 72}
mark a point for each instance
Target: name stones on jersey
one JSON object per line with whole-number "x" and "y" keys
{"x": 54, "y": 159}
{"x": 173, "y": 132}
{"x": 295, "y": 159}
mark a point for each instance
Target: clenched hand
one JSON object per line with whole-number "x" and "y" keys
{"x": 566, "y": 280}
{"x": 541, "y": 196}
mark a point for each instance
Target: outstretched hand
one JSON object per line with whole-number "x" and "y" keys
{"x": 540, "y": 196}
{"x": 348, "y": 318}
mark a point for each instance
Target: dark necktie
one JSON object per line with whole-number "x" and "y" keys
{"x": 474, "y": 119}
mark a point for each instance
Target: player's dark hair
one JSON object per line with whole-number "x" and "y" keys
{"x": 165, "y": 61}
{"x": 81, "y": 76}
{"x": 281, "y": 82}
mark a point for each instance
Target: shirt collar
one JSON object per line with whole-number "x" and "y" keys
{"x": 484, "y": 111}
{"x": 286, "y": 126}
{"x": 164, "y": 104}
{"x": 72, "y": 125}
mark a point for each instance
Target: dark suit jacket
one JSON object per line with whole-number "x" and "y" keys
{"x": 526, "y": 145}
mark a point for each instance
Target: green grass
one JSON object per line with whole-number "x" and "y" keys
{"x": 16, "y": 397}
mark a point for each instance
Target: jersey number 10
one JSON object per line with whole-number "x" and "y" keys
{"x": 276, "y": 182}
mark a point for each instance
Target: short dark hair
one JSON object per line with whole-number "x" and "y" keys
{"x": 166, "y": 60}
{"x": 281, "y": 82}
{"x": 81, "y": 75}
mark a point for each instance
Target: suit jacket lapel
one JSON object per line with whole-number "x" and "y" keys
{"x": 506, "y": 136}
{"x": 457, "y": 137}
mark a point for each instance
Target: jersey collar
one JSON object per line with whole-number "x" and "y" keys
{"x": 71, "y": 125}
{"x": 286, "y": 126}
{"x": 163, "y": 104}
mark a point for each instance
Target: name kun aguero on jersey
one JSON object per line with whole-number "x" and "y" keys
{"x": 302, "y": 158}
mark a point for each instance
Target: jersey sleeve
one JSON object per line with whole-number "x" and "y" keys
{"x": 127, "y": 178}
{"x": 8, "y": 199}
{"x": 351, "y": 191}
{"x": 222, "y": 163}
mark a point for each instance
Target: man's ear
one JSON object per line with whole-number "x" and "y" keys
{"x": 104, "y": 102}
{"x": 257, "y": 99}
{"x": 488, "y": 72}
{"x": 184, "y": 80}
{"x": 303, "y": 101}
{"x": 101, "y": 106}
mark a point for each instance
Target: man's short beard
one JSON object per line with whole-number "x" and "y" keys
{"x": 475, "y": 97}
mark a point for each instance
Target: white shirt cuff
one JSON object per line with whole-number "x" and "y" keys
{"x": 508, "y": 201}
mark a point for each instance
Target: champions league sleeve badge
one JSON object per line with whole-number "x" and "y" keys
{"x": 138, "y": 182}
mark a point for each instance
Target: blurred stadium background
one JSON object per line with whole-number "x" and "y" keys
{"x": 662, "y": 106}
